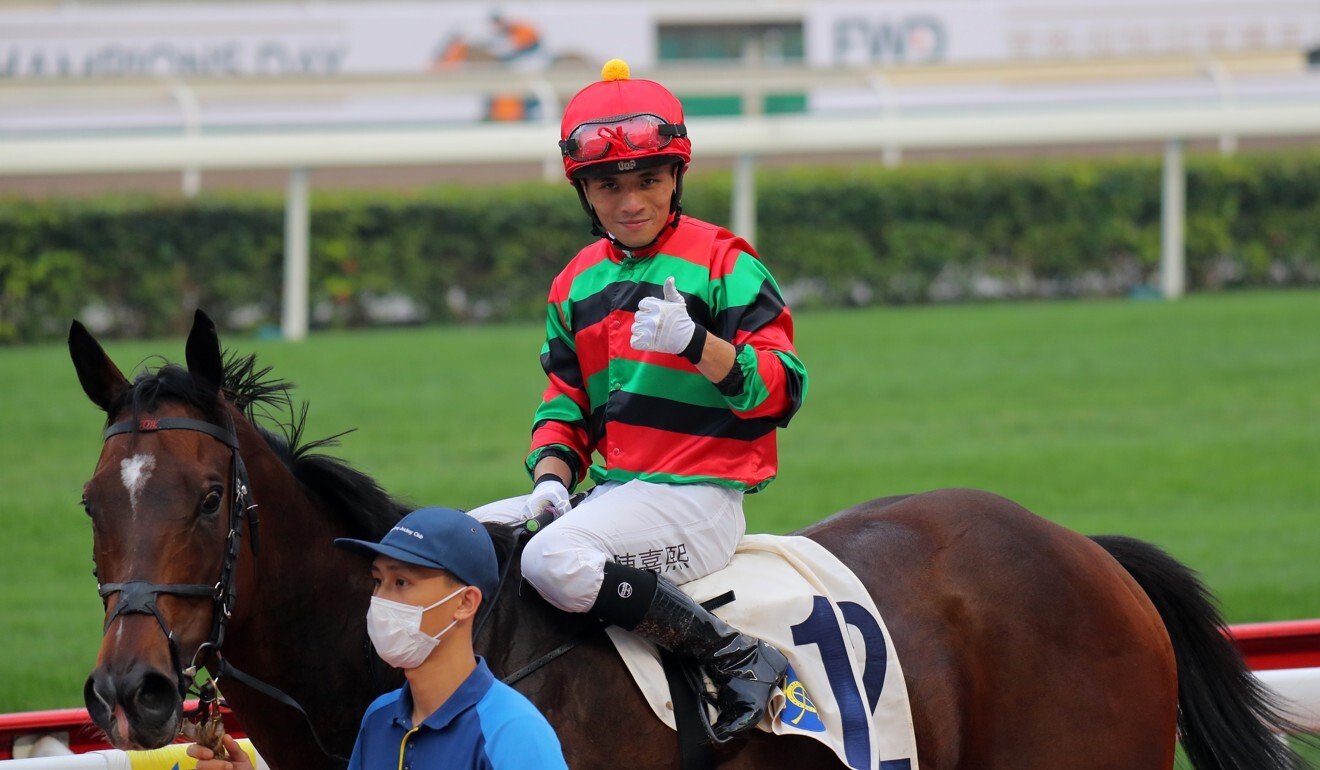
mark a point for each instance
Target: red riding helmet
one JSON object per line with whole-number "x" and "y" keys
{"x": 619, "y": 124}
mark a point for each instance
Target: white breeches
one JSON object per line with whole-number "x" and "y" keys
{"x": 682, "y": 531}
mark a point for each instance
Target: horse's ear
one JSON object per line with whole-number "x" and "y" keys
{"x": 203, "y": 351}
{"x": 101, "y": 379}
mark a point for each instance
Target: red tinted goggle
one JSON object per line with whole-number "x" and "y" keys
{"x": 593, "y": 139}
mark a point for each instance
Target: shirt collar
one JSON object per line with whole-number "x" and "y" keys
{"x": 472, "y": 690}
{"x": 618, "y": 254}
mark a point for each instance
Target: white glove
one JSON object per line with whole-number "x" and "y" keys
{"x": 663, "y": 325}
{"x": 550, "y": 493}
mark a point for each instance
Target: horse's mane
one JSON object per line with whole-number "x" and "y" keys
{"x": 507, "y": 543}
{"x": 352, "y": 496}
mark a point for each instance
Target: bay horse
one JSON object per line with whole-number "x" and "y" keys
{"x": 1023, "y": 644}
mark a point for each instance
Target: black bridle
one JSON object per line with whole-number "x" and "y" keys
{"x": 139, "y": 596}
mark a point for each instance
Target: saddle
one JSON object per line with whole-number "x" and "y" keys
{"x": 845, "y": 685}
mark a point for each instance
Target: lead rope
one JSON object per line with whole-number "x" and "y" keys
{"x": 204, "y": 725}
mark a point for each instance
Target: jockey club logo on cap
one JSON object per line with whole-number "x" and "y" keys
{"x": 407, "y": 531}
{"x": 625, "y": 590}
{"x": 627, "y": 165}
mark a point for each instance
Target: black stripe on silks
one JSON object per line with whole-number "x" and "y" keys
{"x": 678, "y": 417}
{"x": 748, "y": 318}
{"x": 562, "y": 362}
{"x": 542, "y": 423}
{"x": 596, "y": 429}
{"x": 624, "y": 295}
{"x": 589, "y": 311}
{"x": 793, "y": 384}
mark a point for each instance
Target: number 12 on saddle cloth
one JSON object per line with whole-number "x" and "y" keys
{"x": 845, "y": 686}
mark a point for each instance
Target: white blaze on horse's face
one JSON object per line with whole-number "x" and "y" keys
{"x": 135, "y": 471}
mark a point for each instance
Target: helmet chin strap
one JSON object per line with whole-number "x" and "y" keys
{"x": 598, "y": 229}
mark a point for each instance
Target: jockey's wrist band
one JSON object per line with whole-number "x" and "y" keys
{"x": 548, "y": 477}
{"x": 696, "y": 346}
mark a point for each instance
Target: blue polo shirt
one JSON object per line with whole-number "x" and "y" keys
{"x": 484, "y": 725}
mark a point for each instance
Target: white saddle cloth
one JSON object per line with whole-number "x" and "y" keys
{"x": 845, "y": 687}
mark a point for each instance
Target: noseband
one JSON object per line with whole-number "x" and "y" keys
{"x": 139, "y": 596}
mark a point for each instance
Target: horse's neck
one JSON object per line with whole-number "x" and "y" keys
{"x": 298, "y": 596}
{"x": 298, "y": 583}
{"x": 300, "y": 615}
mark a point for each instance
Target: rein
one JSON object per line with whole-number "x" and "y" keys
{"x": 139, "y": 596}
{"x": 549, "y": 657}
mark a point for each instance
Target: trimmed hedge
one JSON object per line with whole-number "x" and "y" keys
{"x": 137, "y": 265}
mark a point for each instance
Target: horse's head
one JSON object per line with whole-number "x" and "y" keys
{"x": 161, "y": 501}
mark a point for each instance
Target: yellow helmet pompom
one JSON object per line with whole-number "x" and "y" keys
{"x": 614, "y": 69}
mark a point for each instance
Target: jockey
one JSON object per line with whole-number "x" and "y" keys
{"x": 669, "y": 352}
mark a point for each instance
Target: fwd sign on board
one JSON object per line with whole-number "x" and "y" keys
{"x": 868, "y": 39}
{"x": 906, "y": 32}
{"x": 877, "y": 34}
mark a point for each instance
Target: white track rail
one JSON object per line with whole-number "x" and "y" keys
{"x": 1299, "y": 689}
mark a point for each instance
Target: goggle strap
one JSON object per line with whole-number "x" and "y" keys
{"x": 570, "y": 145}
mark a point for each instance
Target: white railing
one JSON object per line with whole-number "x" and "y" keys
{"x": 886, "y": 132}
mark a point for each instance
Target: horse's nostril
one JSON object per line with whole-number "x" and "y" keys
{"x": 98, "y": 695}
{"x": 156, "y": 698}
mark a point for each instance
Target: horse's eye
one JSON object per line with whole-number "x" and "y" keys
{"x": 211, "y": 503}
{"x": 86, "y": 509}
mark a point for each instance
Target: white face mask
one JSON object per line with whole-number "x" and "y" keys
{"x": 395, "y": 629}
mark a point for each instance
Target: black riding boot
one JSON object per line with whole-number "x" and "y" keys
{"x": 745, "y": 669}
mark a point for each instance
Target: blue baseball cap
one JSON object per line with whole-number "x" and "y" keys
{"x": 439, "y": 538}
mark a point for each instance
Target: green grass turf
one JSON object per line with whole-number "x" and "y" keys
{"x": 1193, "y": 424}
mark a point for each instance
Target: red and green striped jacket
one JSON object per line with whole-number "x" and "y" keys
{"x": 653, "y": 416}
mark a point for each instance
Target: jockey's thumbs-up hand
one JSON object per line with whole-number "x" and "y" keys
{"x": 671, "y": 292}
{"x": 664, "y": 326}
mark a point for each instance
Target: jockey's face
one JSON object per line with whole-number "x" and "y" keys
{"x": 633, "y": 206}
